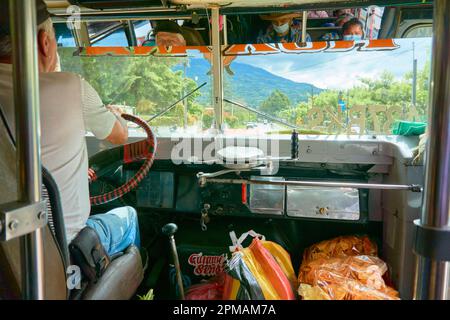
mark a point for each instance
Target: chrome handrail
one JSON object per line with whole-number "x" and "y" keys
{"x": 26, "y": 103}
{"x": 433, "y": 273}
{"x": 203, "y": 180}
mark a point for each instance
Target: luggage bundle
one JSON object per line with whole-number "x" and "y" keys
{"x": 344, "y": 268}
{"x": 261, "y": 271}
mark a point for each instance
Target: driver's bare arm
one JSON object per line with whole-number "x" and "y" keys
{"x": 119, "y": 134}
{"x": 103, "y": 121}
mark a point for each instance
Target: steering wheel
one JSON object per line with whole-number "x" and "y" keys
{"x": 101, "y": 163}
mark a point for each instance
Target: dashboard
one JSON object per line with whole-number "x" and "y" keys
{"x": 178, "y": 190}
{"x": 172, "y": 184}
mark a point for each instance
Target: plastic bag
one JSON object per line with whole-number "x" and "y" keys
{"x": 231, "y": 288}
{"x": 344, "y": 268}
{"x": 209, "y": 290}
{"x": 283, "y": 259}
{"x": 345, "y": 278}
{"x": 263, "y": 271}
{"x": 340, "y": 247}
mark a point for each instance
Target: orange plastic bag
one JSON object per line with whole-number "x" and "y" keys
{"x": 283, "y": 259}
{"x": 345, "y": 278}
{"x": 340, "y": 247}
{"x": 343, "y": 246}
{"x": 262, "y": 271}
{"x": 231, "y": 288}
{"x": 344, "y": 268}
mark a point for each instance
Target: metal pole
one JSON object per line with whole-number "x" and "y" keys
{"x": 169, "y": 230}
{"x": 355, "y": 185}
{"x": 304, "y": 20}
{"x": 225, "y": 31}
{"x": 87, "y": 11}
{"x": 81, "y": 34}
{"x": 176, "y": 262}
{"x": 26, "y": 103}
{"x": 217, "y": 68}
{"x": 128, "y": 27}
{"x": 97, "y": 18}
{"x": 432, "y": 276}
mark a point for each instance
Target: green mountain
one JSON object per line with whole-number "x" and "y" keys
{"x": 249, "y": 84}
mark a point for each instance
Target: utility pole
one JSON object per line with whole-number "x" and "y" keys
{"x": 348, "y": 104}
{"x": 185, "y": 113}
{"x": 414, "y": 79}
{"x": 340, "y": 103}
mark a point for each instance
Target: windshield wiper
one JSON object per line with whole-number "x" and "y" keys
{"x": 263, "y": 114}
{"x": 126, "y": 85}
{"x": 175, "y": 103}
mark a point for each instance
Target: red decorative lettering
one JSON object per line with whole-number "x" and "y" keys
{"x": 207, "y": 265}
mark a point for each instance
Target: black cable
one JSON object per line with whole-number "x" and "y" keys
{"x": 176, "y": 102}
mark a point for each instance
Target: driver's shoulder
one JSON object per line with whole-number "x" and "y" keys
{"x": 60, "y": 81}
{"x": 58, "y": 76}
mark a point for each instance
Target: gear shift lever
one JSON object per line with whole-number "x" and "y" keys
{"x": 169, "y": 230}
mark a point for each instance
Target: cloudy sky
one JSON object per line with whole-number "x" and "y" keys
{"x": 329, "y": 70}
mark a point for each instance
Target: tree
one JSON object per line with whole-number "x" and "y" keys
{"x": 148, "y": 83}
{"x": 276, "y": 102}
{"x": 152, "y": 83}
{"x": 207, "y": 118}
{"x": 297, "y": 114}
{"x": 386, "y": 91}
{"x": 145, "y": 106}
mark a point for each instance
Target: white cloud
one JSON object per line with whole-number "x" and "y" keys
{"x": 343, "y": 70}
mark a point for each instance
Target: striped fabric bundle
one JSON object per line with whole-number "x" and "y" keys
{"x": 262, "y": 271}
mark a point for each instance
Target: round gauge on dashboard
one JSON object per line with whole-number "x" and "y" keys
{"x": 237, "y": 157}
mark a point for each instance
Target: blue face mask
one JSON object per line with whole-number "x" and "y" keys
{"x": 352, "y": 37}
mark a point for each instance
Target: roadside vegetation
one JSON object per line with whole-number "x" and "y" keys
{"x": 149, "y": 85}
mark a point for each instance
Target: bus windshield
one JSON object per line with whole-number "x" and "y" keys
{"x": 338, "y": 87}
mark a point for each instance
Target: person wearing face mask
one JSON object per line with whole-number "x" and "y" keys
{"x": 283, "y": 28}
{"x": 336, "y": 34}
{"x": 353, "y": 30}
{"x": 69, "y": 106}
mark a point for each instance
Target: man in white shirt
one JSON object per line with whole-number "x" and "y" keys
{"x": 69, "y": 107}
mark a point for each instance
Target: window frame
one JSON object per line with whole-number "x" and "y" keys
{"x": 416, "y": 26}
